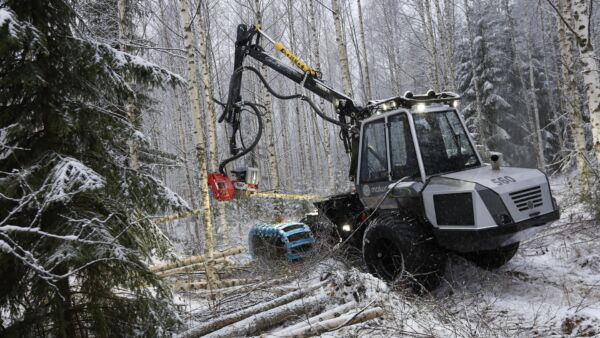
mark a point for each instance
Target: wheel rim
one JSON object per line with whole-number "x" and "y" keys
{"x": 390, "y": 261}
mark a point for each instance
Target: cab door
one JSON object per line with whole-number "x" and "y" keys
{"x": 387, "y": 154}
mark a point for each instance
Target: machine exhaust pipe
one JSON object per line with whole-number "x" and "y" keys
{"x": 495, "y": 161}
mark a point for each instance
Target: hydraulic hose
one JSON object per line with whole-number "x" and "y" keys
{"x": 255, "y": 111}
{"x": 295, "y": 96}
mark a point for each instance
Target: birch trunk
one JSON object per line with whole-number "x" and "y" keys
{"x": 450, "y": 49}
{"x": 202, "y": 29}
{"x": 591, "y": 79}
{"x": 538, "y": 140}
{"x": 181, "y": 130}
{"x": 342, "y": 51}
{"x": 568, "y": 64}
{"x": 365, "y": 53}
{"x": 198, "y": 127}
{"x": 188, "y": 175}
{"x": 266, "y": 98}
{"x": 430, "y": 33}
{"x": 326, "y": 126}
{"x": 304, "y": 157}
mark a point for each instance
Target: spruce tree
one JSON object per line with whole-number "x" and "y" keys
{"x": 503, "y": 114}
{"x": 74, "y": 226}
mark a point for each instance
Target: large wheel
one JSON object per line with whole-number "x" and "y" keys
{"x": 398, "y": 248}
{"x": 493, "y": 259}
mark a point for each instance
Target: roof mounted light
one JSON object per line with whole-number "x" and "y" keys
{"x": 420, "y": 107}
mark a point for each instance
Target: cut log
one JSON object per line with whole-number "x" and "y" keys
{"x": 251, "y": 311}
{"x": 203, "y": 284}
{"x": 330, "y": 314}
{"x": 243, "y": 290}
{"x": 315, "y": 329}
{"x": 266, "y": 320}
{"x": 196, "y": 259}
{"x": 217, "y": 263}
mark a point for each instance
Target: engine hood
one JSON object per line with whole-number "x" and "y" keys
{"x": 525, "y": 192}
{"x": 507, "y": 179}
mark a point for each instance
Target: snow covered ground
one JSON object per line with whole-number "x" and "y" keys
{"x": 550, "y": 288}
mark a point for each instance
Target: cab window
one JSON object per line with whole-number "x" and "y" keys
{"x": 374, "y": 166}
{"x": 402, "y": 151}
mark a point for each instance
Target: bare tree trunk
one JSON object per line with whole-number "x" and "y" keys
{"x": 342, "y": 51}
{"x": 365, "y": 52}
{"x": 326, "y": 126}
{"x": 568, "y": 64}
{"x": 266, "y": 96}
{"x": 188, "y": 175}
{"x": 538, "y": 140}
{"x": 301, "y": 128}
{"x": 202, "y": 29}
{"x": 431, "y": 41}
{"x": 591, "y": 79}
{"x": 449, "y": 16}
{"x": 198, "y": 126}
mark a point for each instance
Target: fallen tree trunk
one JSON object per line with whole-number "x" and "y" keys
{"x": 203, "y": 284}
{"x": 194, "y": 267}
{"x": 244, "y": 314}
{"x": 265, "y": 320}
{"x": 332, "y": 324}
{"x": 333, "y": 313}
{"x": 196, "y": 259}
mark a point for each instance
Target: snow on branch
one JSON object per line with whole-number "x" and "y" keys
{"x": 70, "y": 177}
{"x": 18, "y": 30}
{"x": 126, "y": 63}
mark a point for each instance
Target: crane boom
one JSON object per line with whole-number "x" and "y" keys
{"x": 247, "y": 44}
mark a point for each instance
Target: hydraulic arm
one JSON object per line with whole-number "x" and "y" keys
{"x": 247, "y": 44}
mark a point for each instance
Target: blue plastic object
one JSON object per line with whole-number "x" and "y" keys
{"x": 295, "y": 240}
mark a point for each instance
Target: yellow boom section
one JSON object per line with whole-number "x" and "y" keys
{"x": 279, "y": 46}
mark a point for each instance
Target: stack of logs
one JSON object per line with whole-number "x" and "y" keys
{"x": 272, "y": 316}
{"x": 295, "y": 301}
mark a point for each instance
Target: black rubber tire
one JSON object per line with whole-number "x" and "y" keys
{"x": 397, "y": 248}
{"x": 493, "y": 259}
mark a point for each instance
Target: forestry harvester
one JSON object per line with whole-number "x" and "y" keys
{"x": 421, "y": 187}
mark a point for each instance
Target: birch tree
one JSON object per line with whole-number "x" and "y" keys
{"x": 569, "y": 98}
{"x": 342, "y": 50}
{"x": 591, "y": 79}
{"x": 213, "y": 157}
{"x": 193, "y": 92}
{"x": 267, "y": 101}
{"x": 315, "y": 37}
{"x": 365, "y": 52}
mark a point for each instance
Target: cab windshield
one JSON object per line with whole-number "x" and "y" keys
{"x": 443, "y": 142}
